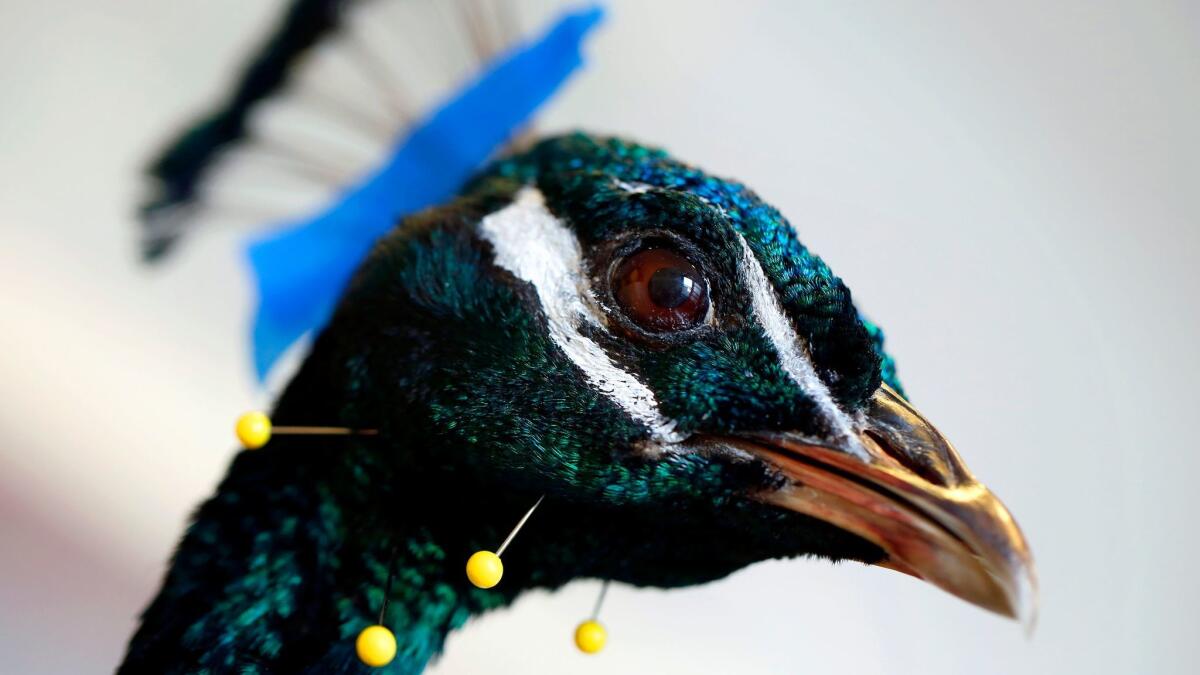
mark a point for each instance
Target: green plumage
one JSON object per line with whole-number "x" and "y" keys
{"x": 480, "y": 412}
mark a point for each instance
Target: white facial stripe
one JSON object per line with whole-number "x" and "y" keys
{"x": 793, "y": 356}
{"x": 633, "y": 188}
{"x": 536, "y": 247}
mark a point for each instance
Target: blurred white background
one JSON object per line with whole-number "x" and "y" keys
{"x": 1012, "y": 188}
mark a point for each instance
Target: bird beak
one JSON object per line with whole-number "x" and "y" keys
{"x": 903, "y": 487}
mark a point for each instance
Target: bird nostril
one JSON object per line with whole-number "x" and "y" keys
{"x": 922, "y": 464}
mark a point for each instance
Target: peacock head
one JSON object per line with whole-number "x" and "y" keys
{"x": 654, "y": 350}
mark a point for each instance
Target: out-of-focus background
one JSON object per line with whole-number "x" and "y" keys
{"x": 1011, "y": 188}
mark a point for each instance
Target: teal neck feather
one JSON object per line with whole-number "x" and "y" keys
{"x": 289, "y": 561}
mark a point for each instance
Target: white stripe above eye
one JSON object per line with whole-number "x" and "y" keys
{"x": 536, "y": 247}
{"x": 793, "y": 355}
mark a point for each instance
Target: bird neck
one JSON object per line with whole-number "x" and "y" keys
{"x": 420, "y": 526}
{"x": 421, "y": 580}
{"x": 403, "y": 552}
{"x": 290, "y": 559}
{"x": 396, "y": 510}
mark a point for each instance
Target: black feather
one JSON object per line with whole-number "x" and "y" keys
{"x": 180, "y": 168}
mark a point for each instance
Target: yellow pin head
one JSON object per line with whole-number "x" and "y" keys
{"x": 253, "y": 430}
{"x": 484, "y": 569}
{"x": 376, "y": 646}
{"x": 590, "y": 637}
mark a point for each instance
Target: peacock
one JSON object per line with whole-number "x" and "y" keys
{"x": 647, "y": 350}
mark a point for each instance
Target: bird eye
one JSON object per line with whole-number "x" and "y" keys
{"x": 661, "y": 290}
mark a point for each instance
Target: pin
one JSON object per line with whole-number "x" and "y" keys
{"x": 590, "y": 635}
{"x": 376, "y": 645}
{"x": 254, "y": 429}
{"x": 484, "y": 568}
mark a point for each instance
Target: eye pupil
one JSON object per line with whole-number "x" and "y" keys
{"x": 660, "y": 290}
{"x": 670, "y": 287}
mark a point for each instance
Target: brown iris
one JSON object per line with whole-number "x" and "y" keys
{"x": 661, "y": 291}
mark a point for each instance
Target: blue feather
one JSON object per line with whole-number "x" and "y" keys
{"x": 302, "y": 267}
